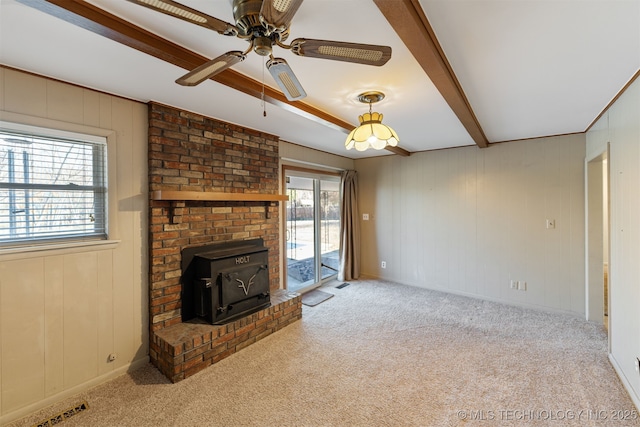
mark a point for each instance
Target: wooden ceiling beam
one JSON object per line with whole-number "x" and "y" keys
{"x": 99, "y": 21}
{"x": 410, "y": 23}
{"x": 398, "y": 150}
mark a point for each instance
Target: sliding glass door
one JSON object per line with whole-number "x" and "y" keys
{"x": 312, "y": 228}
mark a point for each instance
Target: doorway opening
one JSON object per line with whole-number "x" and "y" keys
{"x": 597, "y": 256}
{"x": 312, "y": 229}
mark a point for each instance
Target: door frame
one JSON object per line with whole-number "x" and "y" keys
{"x": 283, "y": 176}
{"x": 597, "y": 217}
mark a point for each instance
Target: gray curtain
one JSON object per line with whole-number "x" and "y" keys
{"x": 349, "y": 228}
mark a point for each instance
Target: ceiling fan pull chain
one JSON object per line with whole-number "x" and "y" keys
{"x": 264, "y": 105}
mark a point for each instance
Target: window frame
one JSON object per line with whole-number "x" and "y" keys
{"x": 82, "y": 134}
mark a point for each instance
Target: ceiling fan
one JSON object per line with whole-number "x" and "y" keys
{"x": 265, "y": 23}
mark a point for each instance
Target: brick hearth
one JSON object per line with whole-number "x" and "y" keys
{"x": 187, "y": 348}
{"x": 190, "y": 152}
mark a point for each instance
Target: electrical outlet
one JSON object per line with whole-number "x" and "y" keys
{"x": 383, "y": 264}
{"x": 365, "y": 217}
{"x": 522, "y": 285}
{"x": 513, "y": 284}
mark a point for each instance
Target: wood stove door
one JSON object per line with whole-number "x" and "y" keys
{"x": 242, "y": 283}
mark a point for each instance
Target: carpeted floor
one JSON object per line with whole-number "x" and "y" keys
{"x": 382, "y": 354}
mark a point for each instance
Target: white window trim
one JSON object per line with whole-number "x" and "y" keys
{"x": 41, "y": 125}
{"x": 52, "y": 133}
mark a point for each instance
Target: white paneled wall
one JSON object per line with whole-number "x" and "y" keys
{"x": 620, "y": 127}
{"x": 470, "y": 220}
{"x": 63, "y": 311}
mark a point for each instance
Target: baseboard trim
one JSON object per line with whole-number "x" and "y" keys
{"x": 478, "y": 296}
{"x": 48, "y": 401}
{"x": 627, "y": 385}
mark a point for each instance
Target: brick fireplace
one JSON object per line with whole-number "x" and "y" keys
{"x": 195, "y": 155}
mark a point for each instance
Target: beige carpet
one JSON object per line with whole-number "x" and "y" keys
{"x": 382, "y": 354}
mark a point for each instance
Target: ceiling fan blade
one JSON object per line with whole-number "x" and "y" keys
{"x": 278, "y": 13}
{"x": 177, "y": 10}
{"x": 368, "y": 54}
{"x": 288, "y": 82}
{"x": 211, "y": 68}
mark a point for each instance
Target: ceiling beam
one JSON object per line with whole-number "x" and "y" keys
{"x": 99, "y": 21}
{"x": 410, "y": 23}
{"x": 398, "y": 150}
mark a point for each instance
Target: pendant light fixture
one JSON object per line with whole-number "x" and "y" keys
{"x": 371, "y": 133}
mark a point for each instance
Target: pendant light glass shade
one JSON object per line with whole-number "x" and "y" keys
{"x": 371, "y": 133}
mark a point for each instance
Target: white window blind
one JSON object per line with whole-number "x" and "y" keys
{"x": 51, "y": 187}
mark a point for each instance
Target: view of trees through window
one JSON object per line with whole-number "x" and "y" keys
{"x": 51, "y": 188}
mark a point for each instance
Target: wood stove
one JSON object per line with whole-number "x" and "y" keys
{"x": 224, "y": 281}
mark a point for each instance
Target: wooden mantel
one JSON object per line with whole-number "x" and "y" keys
{"x": 206, "y": 196}
{"x": 178, "y": 199}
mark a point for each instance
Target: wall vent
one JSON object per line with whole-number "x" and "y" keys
{"x": 64, "y": 415}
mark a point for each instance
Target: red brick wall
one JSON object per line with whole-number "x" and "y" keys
{"x": 182, "y": 350}
{"x": 191, "y": 152}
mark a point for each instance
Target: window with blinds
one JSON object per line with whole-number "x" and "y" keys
{"x": 53, "y": 186}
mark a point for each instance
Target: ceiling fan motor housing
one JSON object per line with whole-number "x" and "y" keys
{"x": 247, "y": 16}
{"x": 265, "y": 23}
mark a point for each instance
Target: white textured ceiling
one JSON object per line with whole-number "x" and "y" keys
{"x": 528, "y": 68}
{"x": 538, "y": 68}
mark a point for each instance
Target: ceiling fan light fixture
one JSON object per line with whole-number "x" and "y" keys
{"x": 286, "y": 80}
{"x": 262, "y": 46}
{"x": 371, "y": 133}
{"x": 265, "y": 23}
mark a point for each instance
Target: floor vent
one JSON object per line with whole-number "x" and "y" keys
{"x": 344, "y": 285}
{"x": 64, "y": 415}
